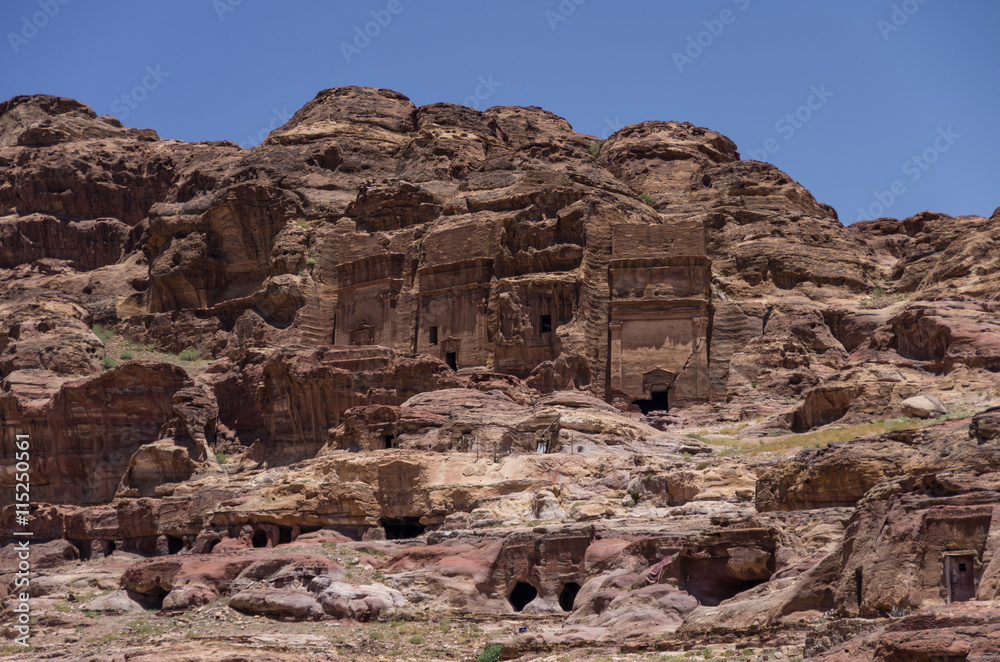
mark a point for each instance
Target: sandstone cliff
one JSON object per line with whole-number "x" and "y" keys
{"x": 515, "y": 369}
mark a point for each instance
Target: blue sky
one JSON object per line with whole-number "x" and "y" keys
{"x": 879, "y": 107}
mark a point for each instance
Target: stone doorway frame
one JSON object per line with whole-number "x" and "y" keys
{"x": 952, "y": 562}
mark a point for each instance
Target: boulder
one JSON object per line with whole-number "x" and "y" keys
{"x": 277, "y": 604}
{"x": 923, "y": 406}
{"x": 188, "y": 596}
{"x": 985, "y": 426}
{"x": 118, "y": 602}
{"x": 362, "y": 603}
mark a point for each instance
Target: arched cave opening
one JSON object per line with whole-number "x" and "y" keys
{"x": 83, "y": 547}
{"x": 284, "y": 535}
{"x": 568, "y": 595}
{"x": 657, "y": 402}
{"x": 211, "y": 545}
{"x": 711, "y": 581}
{"x": 259, "y": 538}
{"x": 174, "y": 544}
{"x": 151, "y": 601}
{"x": 401, "y": 528}
{"x": 521, "y": 595}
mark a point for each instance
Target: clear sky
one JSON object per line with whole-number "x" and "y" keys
{"x": 879, "y": 107}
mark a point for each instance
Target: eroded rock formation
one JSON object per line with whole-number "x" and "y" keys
{"x": 462, "y": 361}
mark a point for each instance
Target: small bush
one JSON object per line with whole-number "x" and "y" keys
{"x": 126, "y": 356}
{"x": 445, "y": 624}
{"x": 594, "y": 149}
{"x": 302, "y": 223}
{"x": 311, "y": 262}
{"x": 416, "y": 639}
{"x": 107, "y": 362}
{"x": 222, "y": 457}
{"x": 102, "y": 333}
{"x": 302, "y": 272}
{"x": 878, "y": 292}
{"x": 189, "y": 354}
{"x": 491, "y": 654}
{"x": 648, "y": 200}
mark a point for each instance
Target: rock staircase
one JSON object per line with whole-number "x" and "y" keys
{"x": 315, "y": 321}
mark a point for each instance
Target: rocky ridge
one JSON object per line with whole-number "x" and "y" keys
{"x": 405, "y": 364}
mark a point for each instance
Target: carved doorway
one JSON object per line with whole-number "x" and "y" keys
{"x": 960, "y": 575}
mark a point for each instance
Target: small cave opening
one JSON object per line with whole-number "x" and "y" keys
{"x": 111, "y": 548}
{"x": 84, "y": 548}
{"x": 174, "y": 544}
{"x": 309, "y": 529}
{"x": 568, "y": 595}
{"x": 210, "y": 545}
{"x": 451, "y": 358}
{"x": 387, "y": 440}
{"x": 521, "y": 595}
{"x": 711, "y": 581}
{"x": 259, "y": 538}
{"x": 284, "y": 535}
{"x": 150, "y": 601}
{"x": 657, "y": 402}
{"x": 402, "y": 528}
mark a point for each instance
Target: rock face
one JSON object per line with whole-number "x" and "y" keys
{"x": 398, "y": 362}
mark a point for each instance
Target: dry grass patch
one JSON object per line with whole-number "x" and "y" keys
{"x": 816, "y": 439}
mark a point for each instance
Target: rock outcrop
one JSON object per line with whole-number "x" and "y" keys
{"x": 398, "y": 363}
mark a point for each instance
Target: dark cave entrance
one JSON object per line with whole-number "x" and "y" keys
{"x": 259, "y": 538}
{"x": 710, "y": 581}
{"x": 451, "y": 358}
{"x": 84, "y": 548}
{"x": 521, "y": 595}
{"x": 568, "y": 596}
{"x": 657, "y": 402}
{"x": 387, "y": 440}
{"x": 174, "y": 544}
{"x": 284, "y": 535}
{"x": 402, "y": 528}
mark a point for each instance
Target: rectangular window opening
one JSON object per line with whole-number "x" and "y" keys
{"x": 545, "y": 325}
{"x": 434, "y": 335}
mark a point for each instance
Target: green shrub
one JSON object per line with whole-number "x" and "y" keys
{"x": 107, "y": 362}
{"x": 878, "y": 292}
{"x": 648, "y": 200}
{"x": 222, "y": 457}
{"x": 126, "y": 356}
{"x": 491, "y": 654}
{"x": 416, "y": 639}
{"x": 594, "y": 148}
{"x": 189, "y": 354}
{"x": 311, "y": 262}
{"x": 302, "y": 223}
{"x": 102, "y": 333}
